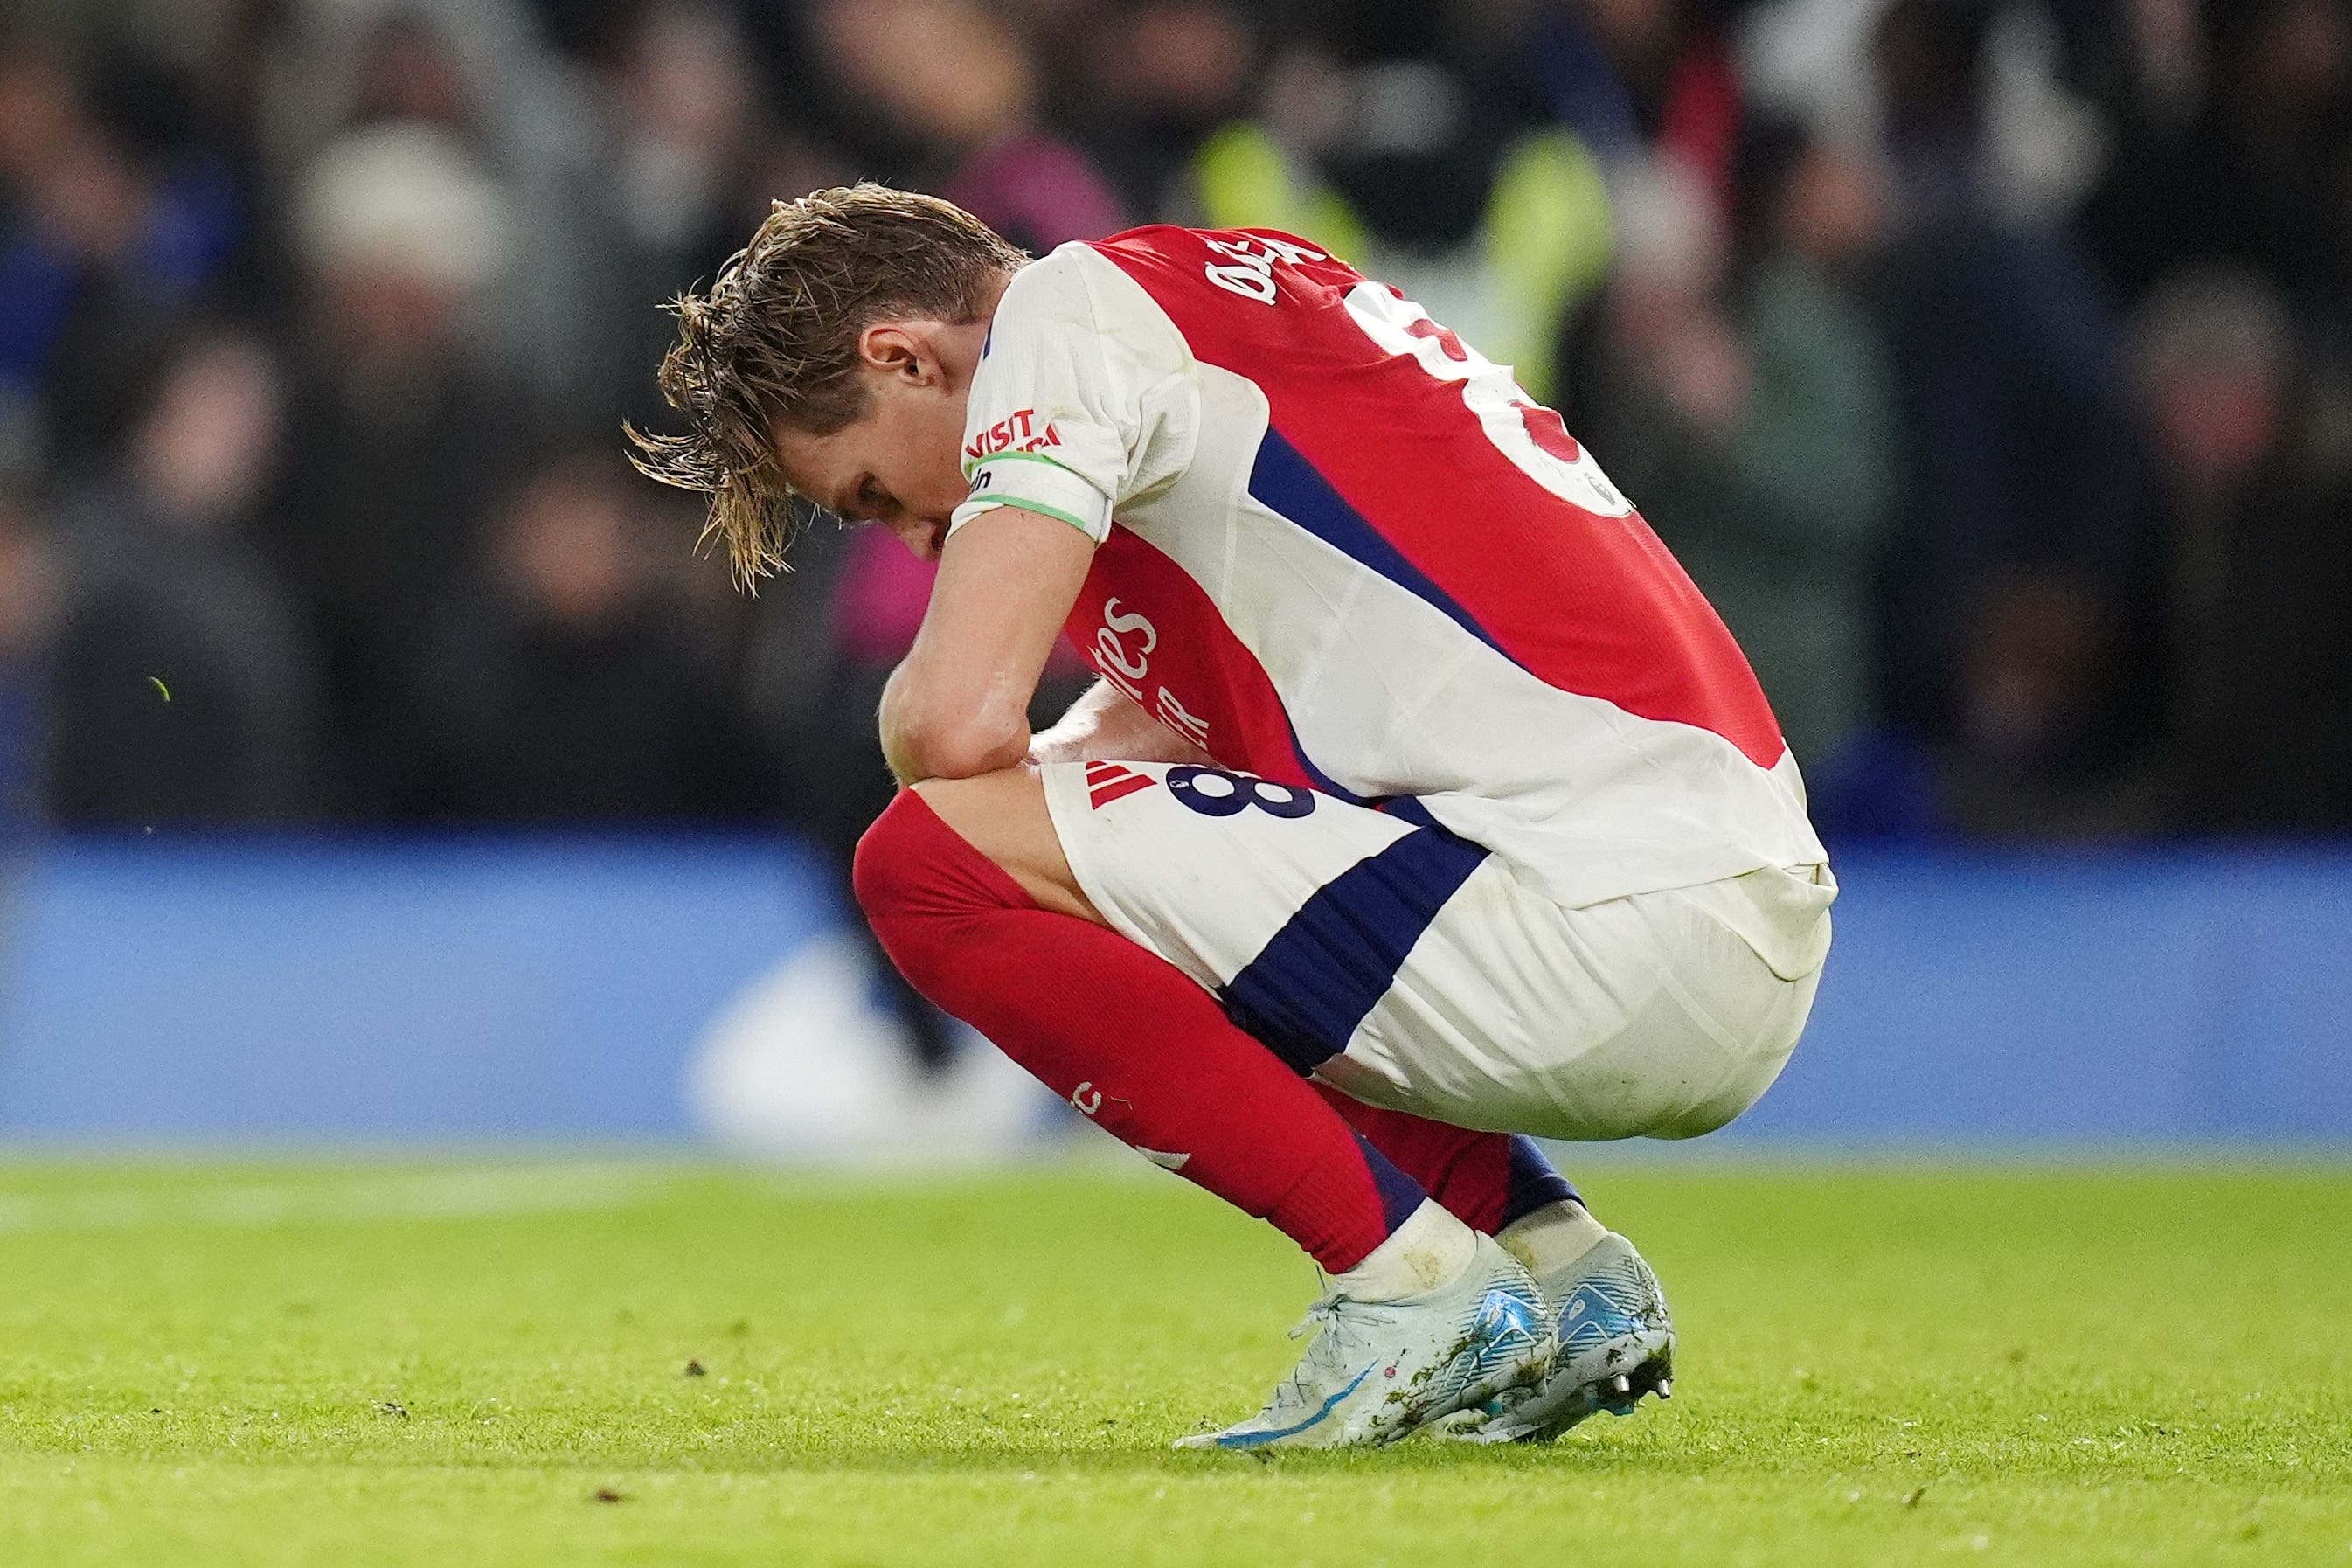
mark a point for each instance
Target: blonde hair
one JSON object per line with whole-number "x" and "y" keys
{"x": 776, "y": 338}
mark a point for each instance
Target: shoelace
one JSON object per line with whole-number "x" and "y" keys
{"x": 1322, "y": 1313}
{"x": 1340, "y": 1331}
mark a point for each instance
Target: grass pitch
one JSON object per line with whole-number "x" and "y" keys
{"x": 380, "y": 1365}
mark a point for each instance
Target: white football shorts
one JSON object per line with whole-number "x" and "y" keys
{"x": 1411, "y": 969}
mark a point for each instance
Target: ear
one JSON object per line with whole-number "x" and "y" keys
{"x": 900, "y": 350}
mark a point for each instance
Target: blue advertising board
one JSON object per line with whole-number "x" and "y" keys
{"x": 522, "y": 987}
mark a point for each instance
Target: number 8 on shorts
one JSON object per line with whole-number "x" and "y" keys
{"x": 1212, "y": 792}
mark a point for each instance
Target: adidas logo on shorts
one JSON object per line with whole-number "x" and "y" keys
{"x": 1107, "y": 782}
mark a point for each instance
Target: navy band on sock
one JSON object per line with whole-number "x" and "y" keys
{"x": 1532, "y": 1182}
{"x": 1400, "y": 1193}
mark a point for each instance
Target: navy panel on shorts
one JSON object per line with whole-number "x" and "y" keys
{"x": 1333, "y": 961}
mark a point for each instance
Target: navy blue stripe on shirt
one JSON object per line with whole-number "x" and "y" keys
{"x": 1317, "y": 776}
{"x": 1403, "y": 806}
{"x": 1408, "y": 808}
{"x": 1330, "y": 964}
{"x": 1284, "y": 481}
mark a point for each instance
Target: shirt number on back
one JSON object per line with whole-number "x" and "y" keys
{"x": 1250, "y": 273}
{"x": 1529, "y": 435}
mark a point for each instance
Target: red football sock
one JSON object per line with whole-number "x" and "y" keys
{"x": 1486, "y": 1179}
{"x": 1126, "y": 1037}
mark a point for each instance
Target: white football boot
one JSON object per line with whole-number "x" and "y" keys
{"x": 1616, "y": 1344}
{"x": 1382, "y": 1370}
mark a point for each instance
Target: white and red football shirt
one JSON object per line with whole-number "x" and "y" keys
{"x": 1339, "y": 547}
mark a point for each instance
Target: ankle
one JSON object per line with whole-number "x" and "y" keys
{"x": 1430, "y": 1250}
{"x": 1552, "y": 1238}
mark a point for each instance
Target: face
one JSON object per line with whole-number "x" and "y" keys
{"x": 898, "y": 464}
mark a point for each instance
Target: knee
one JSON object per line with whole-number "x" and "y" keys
{"x": 911, "y": 864}
{"x": 886, "y": 871}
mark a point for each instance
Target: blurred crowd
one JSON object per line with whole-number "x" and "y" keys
{"x": 1989, "y": 364}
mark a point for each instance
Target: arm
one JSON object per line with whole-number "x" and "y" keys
{"x": 1105, "y": 723}
{"x": 958, "y": 705}
{"x": 1091, "y": 402}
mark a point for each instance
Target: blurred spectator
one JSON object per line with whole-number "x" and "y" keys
{"x": 2259, "y": 564}
{"x": 38, "y": 113}
{"x": 962, "y": 87}
{"x": 121, "y": 219}
{"x": 28, "y": 605}
{"x": 564, "y": 684}
{"x": 473, "y": 75}
{"x": 1165, "y": 79}
{"x": 1439, "y": 178}
{"x": 184, "y": 689}
{"x": 2023, "y": 531}
{"x": 2045, "y": 66}
{"x": 395, "y": 435}
{"x": 1752, "y": 423}
{"x": 1670, "y": 75}
{"x": 2262, "y": 178}
{"x": 684, "y": 118}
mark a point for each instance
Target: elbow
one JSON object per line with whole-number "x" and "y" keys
{"x": 963, "y": 755}
{"x": 954, "y": 745}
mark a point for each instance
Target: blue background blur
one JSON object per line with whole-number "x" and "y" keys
{"x": 472, "y": 988}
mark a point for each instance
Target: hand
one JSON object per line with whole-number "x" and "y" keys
{"x": 1107, "y": 724}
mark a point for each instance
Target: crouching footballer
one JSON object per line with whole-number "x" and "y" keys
{"x": 1424, "y": 806}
